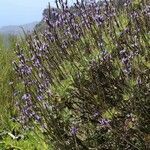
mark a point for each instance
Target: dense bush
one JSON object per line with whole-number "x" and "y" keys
{"x": 85, "y": 81}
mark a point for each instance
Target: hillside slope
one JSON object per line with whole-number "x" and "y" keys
{"x": 16, "y": 30}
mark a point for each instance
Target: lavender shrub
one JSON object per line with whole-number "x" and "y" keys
{"x": 86, "y": 74}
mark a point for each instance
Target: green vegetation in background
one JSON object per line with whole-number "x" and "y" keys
{"x": 12, "y": 136}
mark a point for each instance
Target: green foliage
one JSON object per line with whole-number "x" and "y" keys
{"x": 22, "y": 140}
{"x": 6, "y": 76}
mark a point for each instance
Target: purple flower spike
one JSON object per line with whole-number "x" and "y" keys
{"x": 74, "y": 130}
{"x": 96, "y": 114}
{"x": 26, "y": 96}
{"x": 37, "y": 118}
{"x": 104, "y": 122}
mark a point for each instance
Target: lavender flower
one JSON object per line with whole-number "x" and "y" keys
{"x": 74, "y": 130}
{"x": 26, "y": 96}
{"x": 96, "y": 114}
{"x": 104, "y": 122}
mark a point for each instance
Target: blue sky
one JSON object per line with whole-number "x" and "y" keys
{"x": 18, "y": 12}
